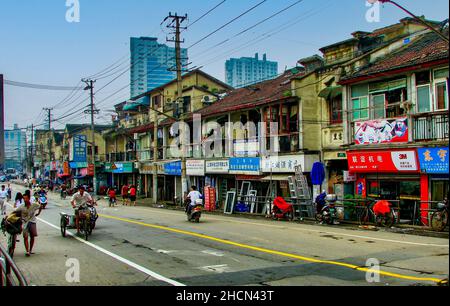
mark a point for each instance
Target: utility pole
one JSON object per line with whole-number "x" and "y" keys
{"x": 92, "y": 111}
{"x": 175, "y": 24}
{"x": 49, "y": 114}
{"x": 32, "y": 151}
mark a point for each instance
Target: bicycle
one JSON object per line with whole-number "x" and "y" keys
{"x": 366, "y": 215}
{"x": 439, "y": 219}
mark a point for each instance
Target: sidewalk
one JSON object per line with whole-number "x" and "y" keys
{"x": 399, "y": 228}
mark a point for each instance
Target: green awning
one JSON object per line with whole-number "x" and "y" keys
{"x": 331, "y": 92}
{"x": 379, "y": 87}
{"x": 131, "y": 106}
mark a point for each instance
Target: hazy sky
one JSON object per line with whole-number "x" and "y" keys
{"x": 38, "y": 45}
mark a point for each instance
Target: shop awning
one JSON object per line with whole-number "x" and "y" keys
{"x": 277, "y": 177}
{"x": 379, "y": 87}
{"x": 331, "y": 92}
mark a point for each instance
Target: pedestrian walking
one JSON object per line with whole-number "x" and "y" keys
{"x": 3, "y": 197}
{"x": 9, "y": 190}
{"x": 19, "y": 201}
{"x": 133, "y": 195}
{"x": 28, "y": 214}
{"x": 125, "y": 194}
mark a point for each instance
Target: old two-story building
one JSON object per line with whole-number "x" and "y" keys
{"x": 77, "y": 163}
{"x": 321, "y": 95}
{"x": 48, "y": 153}
{"x": 395, "y": 116}
{"x": 130, "y": 146}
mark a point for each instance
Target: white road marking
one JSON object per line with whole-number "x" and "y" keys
{"x": 214, "y": 253}
{"x": 165, "y": 252}
{"x": 121, "y": 259}
{"x": 217, "y": 269}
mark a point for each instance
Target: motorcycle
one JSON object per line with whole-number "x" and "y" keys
{"x": 43, "y": 201}
{"x": 282, "y": 210}
{"x": 196, "y": 211}
{"x": 330, "y": 214}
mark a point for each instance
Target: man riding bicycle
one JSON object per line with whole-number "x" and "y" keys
{"x": 79, "y": 199}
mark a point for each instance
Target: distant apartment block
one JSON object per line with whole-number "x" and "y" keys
{"x": 15, "y": 148}
{"x": 151, "y": 63}
{"x": 244, "y": 71}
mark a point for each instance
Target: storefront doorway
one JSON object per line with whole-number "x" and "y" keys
{"x": 406, "y": 191}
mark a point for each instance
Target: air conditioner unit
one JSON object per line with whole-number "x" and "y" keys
{"x": 207, "y": 99}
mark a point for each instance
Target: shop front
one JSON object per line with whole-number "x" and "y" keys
{"x": 277, "y": 170}
{"x": 146, "y": 171}
{"x": 389, "y": 175}
{"x": 121, "y": 173}
{"x": 336, "y": 170}
{"x": 195, "y": 171}
{"x": 218, "y": 177}
{"x": 434, "y": 168}
{"x": 79, "y": 173}
{"x": 171, "y": 182}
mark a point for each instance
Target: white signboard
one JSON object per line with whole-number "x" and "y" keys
{"x": 349, "y": 177}
{"x": 195, "y": 167}
{"x": 405, "y": 160}
{"x": 218, "y": 166}
{"x": 287, "y": 164}
{"x": 246, "y": 147}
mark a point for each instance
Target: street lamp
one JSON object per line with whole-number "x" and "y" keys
{"x": 442, "y": 36}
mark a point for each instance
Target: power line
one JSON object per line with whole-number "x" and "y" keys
{"x": 228, "y": 23}
{"x": 39, "y": 86}
{"x": 204, "y": 15}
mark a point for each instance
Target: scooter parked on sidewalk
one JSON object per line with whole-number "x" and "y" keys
{"x": 329, "y": 213}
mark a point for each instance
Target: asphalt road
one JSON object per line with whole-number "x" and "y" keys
{"x": 154, "y": 247}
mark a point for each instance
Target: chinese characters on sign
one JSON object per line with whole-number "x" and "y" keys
{"x": 245, "y": 165}
{"x": 382, "y": 161}
{"x": 79, "y": 148}
{"x": 434, "y": 160}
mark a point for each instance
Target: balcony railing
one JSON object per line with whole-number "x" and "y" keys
{"x": 121, "y": 157}
{"x": 433, "y": 126}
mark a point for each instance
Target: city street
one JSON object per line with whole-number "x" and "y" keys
{"x": 155, "y": 247}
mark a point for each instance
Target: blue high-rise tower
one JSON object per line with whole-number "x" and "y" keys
{"x": 244, "y": 71}
{"x": 150, "y": 64}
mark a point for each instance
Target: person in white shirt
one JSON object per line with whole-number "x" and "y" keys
{"x": 193, "y": 196}
{"x": 19, "y": 201}
{"x": 78, "y": 199}
{"x": 3, "y": 197}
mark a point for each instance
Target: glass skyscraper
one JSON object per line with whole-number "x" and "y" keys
{"x": 15, "y": 148}
{"x": 150, "y": 64}
{"x": 245, "y": 71}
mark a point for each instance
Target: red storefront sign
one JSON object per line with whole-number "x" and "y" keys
{"x": 90, "y": 171}
{"x": 383, "y": 161}
{"x": 66, "y": 169}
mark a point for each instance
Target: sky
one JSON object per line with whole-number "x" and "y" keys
{"x": 39, "y": 46}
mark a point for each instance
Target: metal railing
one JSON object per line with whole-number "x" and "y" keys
{"x": 431, "y": 126}
{"x": 121, "y": 157}
{"x": 431, "y": 208}
{"x": 10, "y": 274}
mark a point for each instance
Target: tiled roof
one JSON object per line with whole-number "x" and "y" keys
{"x": 251, "y": 96}
{"x": 428, "y": 48}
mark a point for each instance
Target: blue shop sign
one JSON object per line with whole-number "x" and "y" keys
{"x": 79, "y": 148}
{"x": 78, "y": 165}
{"x": 245, "y": 165}
{"x": 173, "y": 168}
{"x": 434, "y": 160}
